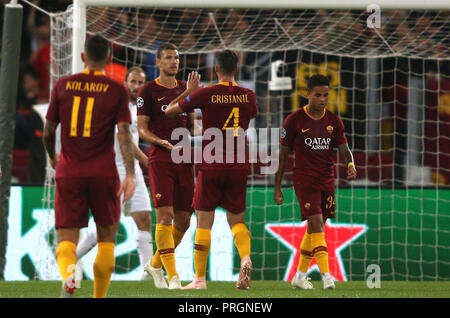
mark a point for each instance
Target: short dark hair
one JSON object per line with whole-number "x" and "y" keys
{"x": 317, "y": 80}
{"x": 134, "y": 69}
{"x": 97, "y": 48}
{"x": 227, "y": 61}
{"x": 163, "y": 47}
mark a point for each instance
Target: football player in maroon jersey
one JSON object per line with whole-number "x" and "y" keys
{"x": 87, "y": 106}
{"x": 313, "y": 132}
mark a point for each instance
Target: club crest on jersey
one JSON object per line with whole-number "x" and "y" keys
{"x": 318, "y": 143}
{"x": 307, "y": 205}
{"x": 330, "y": 129}
{"x": 139, "y": 102}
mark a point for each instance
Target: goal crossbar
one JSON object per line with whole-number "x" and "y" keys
{"x": 79, "y": 10}
{"x": 270, "y": 4}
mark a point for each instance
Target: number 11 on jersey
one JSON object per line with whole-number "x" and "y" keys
{"x": 87, "y": 116}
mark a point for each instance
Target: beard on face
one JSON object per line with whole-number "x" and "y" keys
{"x": 169, "y": 72}
{"x": 133, "y": 94}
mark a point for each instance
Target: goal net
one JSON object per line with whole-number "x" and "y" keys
{"x": 390, "y": 83}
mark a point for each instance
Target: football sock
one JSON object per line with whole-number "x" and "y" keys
{"x": 177, "y": 237}
{"x": 166, "y": 248}
{"x": 306, "y": 254}
{"x": 103, "y": 268}
{"x": 201, "y": 251}
{"x": 66, "y": 258}
{"x": 241, "y": 239}
{"x": 87, "y": 243}
{"x": 320, "y": 251}
{"x": 144, "y": 245}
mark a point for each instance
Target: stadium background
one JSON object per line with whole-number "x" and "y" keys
{"x": 401, "y": 201}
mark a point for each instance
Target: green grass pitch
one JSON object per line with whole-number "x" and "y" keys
{"x": 222, "y": 290}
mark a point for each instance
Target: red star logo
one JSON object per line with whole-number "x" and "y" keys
{"x": 337, "y": 235}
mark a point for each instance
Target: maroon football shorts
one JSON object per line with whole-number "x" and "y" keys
{"x": 74, "y": 196}
{"x": 315, "y": 202}
{"x": 171, "y": 185}
{"x": 224, "y": 188}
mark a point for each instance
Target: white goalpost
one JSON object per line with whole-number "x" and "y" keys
{"x": 388, "y": 65}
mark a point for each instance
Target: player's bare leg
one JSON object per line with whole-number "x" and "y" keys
{"x": 205, "y": 220}
{"x": 66, "y": 259}
{"x": 315, "y": 223}
{"x": 182, "y": 220}
{"x": 105, "y": 259}
{"x": 143, "y": 220}
{"x": 242, "y": 242}
{"x": 69, "y": 234}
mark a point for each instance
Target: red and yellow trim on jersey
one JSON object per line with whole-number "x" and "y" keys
{"x": 96, "y": 72}
{"x": 228, "y": 83}
{"x": 307, "y": 113}
{"x": 159, "y": 83}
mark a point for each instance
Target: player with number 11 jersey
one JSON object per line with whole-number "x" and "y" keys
{"x": 87, "y": 106}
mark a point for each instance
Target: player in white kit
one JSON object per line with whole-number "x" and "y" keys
{"x": 138, "y": 207}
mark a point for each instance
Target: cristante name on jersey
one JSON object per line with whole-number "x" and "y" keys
{"x": 90, "y": 87}
{"x": 229, "y": 99}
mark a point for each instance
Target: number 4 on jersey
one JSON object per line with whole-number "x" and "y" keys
{"x": 235, "y": 115}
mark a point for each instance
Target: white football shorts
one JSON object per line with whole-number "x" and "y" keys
{"x": 140, "y": 201}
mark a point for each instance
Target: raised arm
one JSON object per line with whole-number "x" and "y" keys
{"x": 192, "y": 85}
{"x": 283, "y": 158}
{"x": 192, "y": 124}
{"x": 347, "y": 155}
{"x": 173, "y": 108}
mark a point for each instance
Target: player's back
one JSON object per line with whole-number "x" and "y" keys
{"x": 229, "y": 108}
{"x": 88, "y": 105}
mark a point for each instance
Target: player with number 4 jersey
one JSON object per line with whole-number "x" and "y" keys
{"x": 222, "y": 180}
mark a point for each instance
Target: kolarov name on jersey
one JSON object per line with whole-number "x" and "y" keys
{"x": 90, "y": 87}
